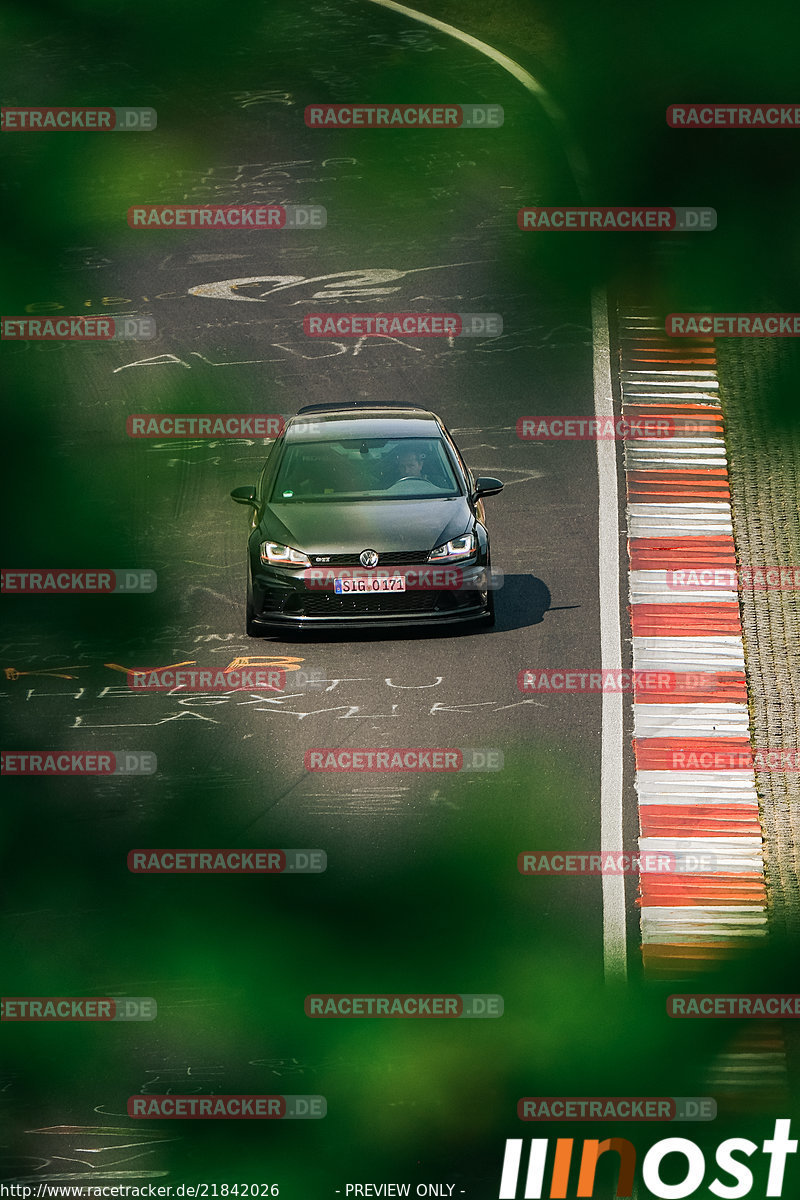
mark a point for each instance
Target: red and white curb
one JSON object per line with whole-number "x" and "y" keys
{"x": 679, "y": 518}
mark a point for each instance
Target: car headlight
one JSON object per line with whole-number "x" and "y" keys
{"x": 286, "y": 556}
{"x": 460, "y": 547}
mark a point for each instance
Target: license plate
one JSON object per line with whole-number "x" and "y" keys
{"x": 370, "y": 583}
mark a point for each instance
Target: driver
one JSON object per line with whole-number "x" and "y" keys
{"x": 410, "y": 465}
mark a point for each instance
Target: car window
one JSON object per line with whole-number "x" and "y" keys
{"x": 365, "y": 469}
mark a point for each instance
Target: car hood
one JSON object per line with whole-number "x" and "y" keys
{"x": 388, "y": 526}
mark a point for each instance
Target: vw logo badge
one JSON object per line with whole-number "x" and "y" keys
{"x": 368, "y": 558}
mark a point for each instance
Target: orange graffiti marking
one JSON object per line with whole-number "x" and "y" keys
{"x": 13, "y": 673}
{"x": 285, "y": 662}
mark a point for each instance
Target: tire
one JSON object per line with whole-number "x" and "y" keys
{"x": 252, "y": 630}
{"x": 488, "y": 619}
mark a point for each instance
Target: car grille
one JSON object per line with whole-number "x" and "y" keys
{"x": 328, "y": 604}
{"x": 400, "y": 559}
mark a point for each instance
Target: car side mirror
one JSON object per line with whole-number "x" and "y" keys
{"x": 244, "y": 495}
{"x": 486, "y": 485}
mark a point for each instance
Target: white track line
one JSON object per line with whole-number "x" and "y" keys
{"x": 614, "y": 915}
{"x": 574, "y": 154}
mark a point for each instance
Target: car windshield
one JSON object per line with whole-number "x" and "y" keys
{"x": 367, "y": 469}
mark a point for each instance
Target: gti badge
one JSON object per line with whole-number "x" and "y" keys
{"x": 368, "y": 558}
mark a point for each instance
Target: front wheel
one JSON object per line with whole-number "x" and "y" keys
{"x": 251, "y": 629}
{"x": 250, "y": 626}
{"x": 488, "y": 618}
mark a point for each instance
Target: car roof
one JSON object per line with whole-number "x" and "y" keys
{"x": 370, "y": 421}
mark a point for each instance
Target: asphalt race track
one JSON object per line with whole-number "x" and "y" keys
{"x": 414, "y": 898}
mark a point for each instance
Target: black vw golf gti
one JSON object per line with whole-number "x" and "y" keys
{"x": 366, "y": 515}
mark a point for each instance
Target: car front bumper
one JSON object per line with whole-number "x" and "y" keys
{"x": 282, "y": 597}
